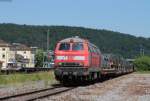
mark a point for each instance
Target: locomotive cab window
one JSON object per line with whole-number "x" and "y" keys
{"x": 77, "y": 46}
{"x": 91, "y": 49}
{"x": 64, "y": 46}
{"x": 94, "y": 50}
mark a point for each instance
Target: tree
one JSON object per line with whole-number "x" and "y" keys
{"x": 108, "y": 41}
{"x": 39, "y": 57}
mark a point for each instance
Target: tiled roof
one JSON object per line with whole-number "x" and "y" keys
{"x": 21, "y": 47}
{"x": 15, "y": 46}
{"x": 4, "y": 44}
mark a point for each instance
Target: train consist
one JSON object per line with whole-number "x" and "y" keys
{"x": 78, "y": 59}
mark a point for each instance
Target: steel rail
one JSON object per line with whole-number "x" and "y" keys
{"x": 36, "y": 94}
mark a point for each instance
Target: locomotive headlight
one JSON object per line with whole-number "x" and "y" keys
{"x": 61, "y": 57}
{"x": 79, "y": 58}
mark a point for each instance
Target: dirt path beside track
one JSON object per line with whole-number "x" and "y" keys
{"x": 131, "y": 87}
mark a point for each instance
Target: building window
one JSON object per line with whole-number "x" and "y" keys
{"x": 3, "y": 56}
{"x": 3, "y": 49}
{"x": 25, "y": 57}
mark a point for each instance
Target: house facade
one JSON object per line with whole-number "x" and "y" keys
{"x": 15, "y": 55}
{"x": 27, "y": 59}
{"x": 7, "y": 55}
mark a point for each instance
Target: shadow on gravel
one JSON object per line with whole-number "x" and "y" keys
{"x": 57, "y": 85}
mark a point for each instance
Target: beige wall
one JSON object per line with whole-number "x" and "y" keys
{"x": 6, "y": 56}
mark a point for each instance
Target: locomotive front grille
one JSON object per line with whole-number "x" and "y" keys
{"x": 70, "y": 71}
{"x": 69, "y": 64}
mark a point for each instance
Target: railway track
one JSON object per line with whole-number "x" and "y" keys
{"x": 37, "y": 94}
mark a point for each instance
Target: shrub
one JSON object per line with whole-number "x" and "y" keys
{"x": 142, "y": 63}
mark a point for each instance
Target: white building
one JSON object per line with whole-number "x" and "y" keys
{"x": 27, "y": 59}
{"x": 15, "y": 55}
{"x": 7, "y": 55}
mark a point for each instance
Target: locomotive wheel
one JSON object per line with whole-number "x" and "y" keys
{"x": 85, "y": 78}
{"x": 98, "y": 76}
{"x": 78, "y": 79}
{"x": 95, "y": 76}
{"x": 92, "y": 76}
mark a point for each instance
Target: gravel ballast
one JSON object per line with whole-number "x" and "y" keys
{"x": 131, "y": 87}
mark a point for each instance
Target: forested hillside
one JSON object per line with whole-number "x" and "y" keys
{"x": 108, "y": 41}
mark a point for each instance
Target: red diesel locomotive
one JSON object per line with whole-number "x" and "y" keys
{"x": 78, "y": 59}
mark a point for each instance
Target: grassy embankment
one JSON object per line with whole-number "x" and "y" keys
{"x": 22, "y": 78}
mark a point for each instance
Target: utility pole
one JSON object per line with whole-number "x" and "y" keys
{"x": 43, "y": 50}
{"x": 47, "y": 40}
{"x": 48, "y": 48}
{"x": 141, "y": 50}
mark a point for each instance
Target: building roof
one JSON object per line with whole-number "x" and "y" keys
{"x": 21, "y": 47}
{"x": 15, "y": 46}
{"x": 4, "y": 44}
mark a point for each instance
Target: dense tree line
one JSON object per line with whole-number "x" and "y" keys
{"x": 108, "y": 41}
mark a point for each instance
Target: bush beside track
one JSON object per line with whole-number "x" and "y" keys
{"x": 142, "y": 64}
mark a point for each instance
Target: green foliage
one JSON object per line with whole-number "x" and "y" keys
{"x": 108, "y": 41}
{"x": 142, "y": 63}
{"x": 39, "y": 58}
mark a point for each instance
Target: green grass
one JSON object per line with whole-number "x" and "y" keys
{"x": 143, "y": 72}
{"x": 22, "y": 78}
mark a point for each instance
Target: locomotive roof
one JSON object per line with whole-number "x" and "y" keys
{"x": 75, "y": 39}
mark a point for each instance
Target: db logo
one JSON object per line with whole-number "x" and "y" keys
{"x": 70, "y": 57}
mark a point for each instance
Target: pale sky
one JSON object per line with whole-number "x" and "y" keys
{"x": 126, "y": 16}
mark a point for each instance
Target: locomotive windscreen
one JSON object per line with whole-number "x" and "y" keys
{"x": 77, "y": 46}
{"x": 64, "y": 46}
